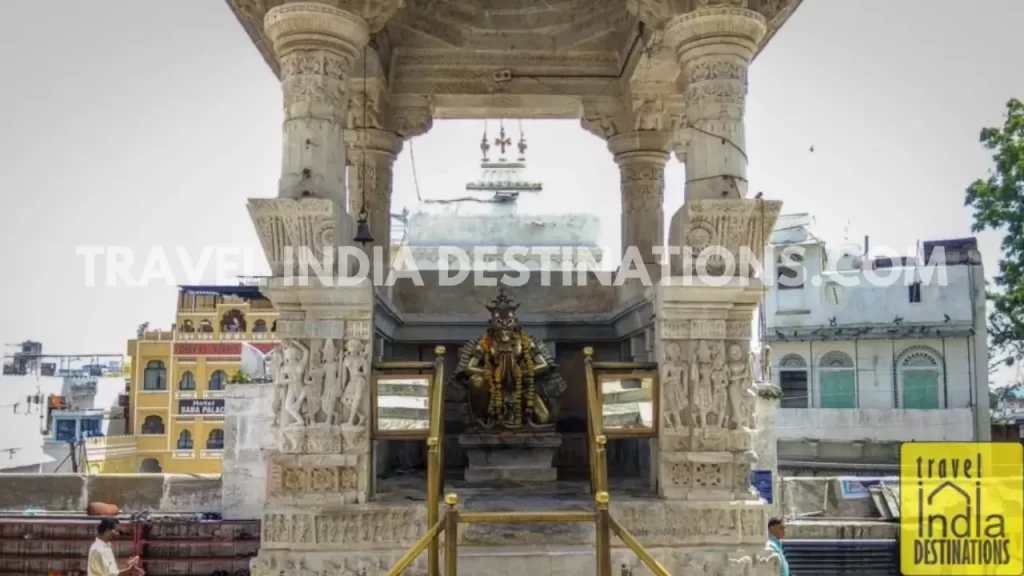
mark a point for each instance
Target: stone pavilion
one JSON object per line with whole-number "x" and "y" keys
{"x": 652, "y": 78}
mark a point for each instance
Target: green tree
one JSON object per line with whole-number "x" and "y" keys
{"x": 998, "y": 203}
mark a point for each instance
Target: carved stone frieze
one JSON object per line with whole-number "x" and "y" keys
{"x": 323, "y": 396}
{"x": 353, "y": 528}
{"x": 317, "y": 480}
{"x": 722, "y": 236}
{"x": 315, "y": 76}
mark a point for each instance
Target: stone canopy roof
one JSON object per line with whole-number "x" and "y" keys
{"x": 461, "y": 49}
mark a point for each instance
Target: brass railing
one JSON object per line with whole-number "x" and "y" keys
{"x": 604, "y": 524}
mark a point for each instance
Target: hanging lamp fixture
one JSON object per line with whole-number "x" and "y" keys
{"x": 363, "y": 235}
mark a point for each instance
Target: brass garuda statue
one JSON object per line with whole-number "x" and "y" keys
{"x": 511, "y": 379}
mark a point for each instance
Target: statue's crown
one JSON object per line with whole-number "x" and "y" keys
{"x": 502, "y": 302}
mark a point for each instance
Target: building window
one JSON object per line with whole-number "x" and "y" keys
{"x": 185, "y": 440}
{"x": 919, "y": 372}
{"x": 259, "y": 326}
{"x": 150, "y": 466}
{"x": 217, "y": 380}
{"x": 154, "y": 376}
{"x": 793, "y": 382}
{"x": 153, "y": 425}
{"x": 206, "y": 326}
{"x": 233, "y": 321}
{"x": 914, "y": 293}
{"x": 837, "y": 381}
{"x": 65, "y": 430}
{"x": 188, "y": 327}
{"x": 789, "y": 271}
{"x": 215, "y": 441}
{"x": 187, "y": 382}
{"x": 273, "y": 327}
{"x": 92, "y": 427}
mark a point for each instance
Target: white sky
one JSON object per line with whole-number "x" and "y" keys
{"x": 140, "y": 123}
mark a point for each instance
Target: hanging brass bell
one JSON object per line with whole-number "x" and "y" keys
{"x": 363, "y": 235}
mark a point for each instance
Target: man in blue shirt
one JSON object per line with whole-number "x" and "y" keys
{"x": 776, "y": 532}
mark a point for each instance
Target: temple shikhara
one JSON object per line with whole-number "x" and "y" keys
{"x": 537, "y": 429}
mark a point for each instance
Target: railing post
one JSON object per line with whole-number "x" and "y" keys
{"x": 602, "y": 535}
{"x": 433, "y": 551}
{"x": 435, "y": 463}
{"x": 451, "y": 535}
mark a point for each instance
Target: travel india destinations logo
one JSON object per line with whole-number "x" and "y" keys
{"x": 962, "y": 509}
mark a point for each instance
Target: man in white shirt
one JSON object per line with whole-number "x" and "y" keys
{"x": 101, "y": 554}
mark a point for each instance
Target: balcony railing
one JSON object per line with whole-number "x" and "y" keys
{"x": 211, "y": 336}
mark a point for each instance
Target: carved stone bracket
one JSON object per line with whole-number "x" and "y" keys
{"x": 711, "y": 233}
{"x": 286, "y": 225}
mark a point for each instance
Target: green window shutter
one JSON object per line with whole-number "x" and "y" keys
{"x": 838, "y": 389}
{"x": 920, "y": 389}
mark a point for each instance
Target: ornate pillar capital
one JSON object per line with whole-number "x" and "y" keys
{"x": 710, "y": 25}
{"x": 312, "y": 25}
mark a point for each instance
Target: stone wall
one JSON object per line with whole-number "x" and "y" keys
{"x": 164, "y": 493}
{"x": 247, "y": 437}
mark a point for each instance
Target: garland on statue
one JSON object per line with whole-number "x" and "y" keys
{"x": 531, "y": 392}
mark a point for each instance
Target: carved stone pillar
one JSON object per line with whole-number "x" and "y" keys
{"x": 372, "y": 154}
{"x": 319, "y": 471}
{"x": 641, "y": 157}
{"x": 316, "y": 46}
{"x": 714, "y": 45}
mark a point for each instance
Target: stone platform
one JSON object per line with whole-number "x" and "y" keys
{"x": 524, "y": 458}
{"x": 683, "y": 535}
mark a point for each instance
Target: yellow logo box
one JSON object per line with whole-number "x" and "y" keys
{"x": 962, "y": 509}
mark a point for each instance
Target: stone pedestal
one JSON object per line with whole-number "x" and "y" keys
{"x": 510, "y": 457}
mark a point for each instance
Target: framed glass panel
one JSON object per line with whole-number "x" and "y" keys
{"x": 401, "y": 405}
{"x": 629, "y": 403}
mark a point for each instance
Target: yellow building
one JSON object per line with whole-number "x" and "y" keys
{"x": 177, "y": 378}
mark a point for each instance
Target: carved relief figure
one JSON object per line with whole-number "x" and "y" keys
{"x": 357, "y": 373}
{"x": 511, "y": 378}
{"x": 719, "y": 384}
{"x": 313, "y": 386}
{"x": 277, "y": 361}
{"x": 677, "y": 386}
{"x": 740, "y": 371}
{"x": 700, "y": 376}
{"x": 293, "y": 372}
{"x": 332, "y": 383}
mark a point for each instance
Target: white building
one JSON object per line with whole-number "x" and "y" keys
{"x": 40, "y": 416}
{"x": 871, "y": 352}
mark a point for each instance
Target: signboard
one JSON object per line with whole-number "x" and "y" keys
{"x": 201, "y": 407}
{"x": 217, "y": 348}
{"x": 960, "y": 508}
{"x": 857, "y": 488}
{"x": 761, "y": 480}
{"x": 207, "y": 348}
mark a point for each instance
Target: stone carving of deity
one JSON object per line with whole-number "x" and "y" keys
{"x": 719, "y": 384}
{"x": 356, "y": 375}
{"x": 676, "y": 386}
{"x": 332, "y": 382}
{"x": 511, "y": 378}
{"x": 292, "y": 377}
{"x": 313, "y": 386}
